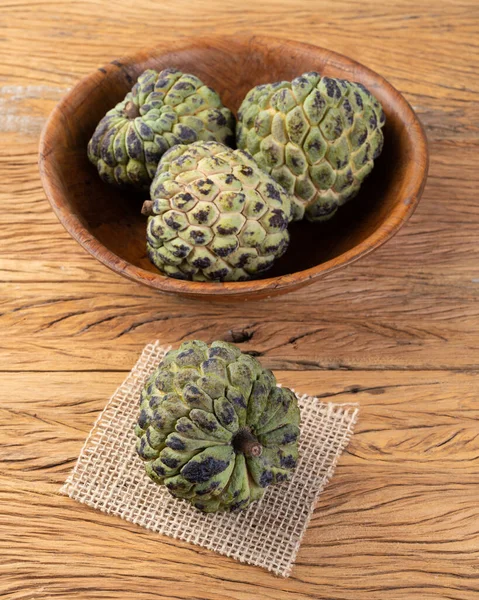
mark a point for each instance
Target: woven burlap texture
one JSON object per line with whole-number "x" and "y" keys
{"x": 110, "y": 477}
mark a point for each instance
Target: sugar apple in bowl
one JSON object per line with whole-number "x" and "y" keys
{"x": 215, "y": 215}
{"x": 214, "y": 428}
{"x": 317, "y": 136}
{"x": 162, "y": 109}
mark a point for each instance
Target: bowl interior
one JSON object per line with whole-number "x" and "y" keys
{"x": 231, "y": 66}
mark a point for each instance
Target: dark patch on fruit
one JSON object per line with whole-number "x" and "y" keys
{"x": 287, "y": 462}
{"x": 296, "y": 162}
{"x": 359, "y": 100}
{"x": 172, "y": 463}
{"x": 134, "y": 144}
{"x": 277, "y": 219}
{"x": 201, "y": 263}
{"x": 207, "y": 424}
{"x": 182, "y": 85}
{"x": 224, "y": 251}
{"x": 159, "y": 470}
{"x": 301, "y": 82}
{"x": 186, "y": 133}
{"x": 181, "y": 160}
{"x": 373, "y": 121}
{"x": 239, "y": 401}
{"x": 217, "y": 117}
{"x": 183, "y": 427}
{"x": 197, "y": 236}
{"x": 246, "y": 171}
{"x": 318, "y": 101}
{"x": 201, "y": 215}
{"x": 175, "y": 444}
{"x": 147, "y": 88}
{"x": 226, "y": 230}
{"x": 289, "y": 438}
{"x": 362, "y": 138}
{"x": 266, "y": 479}
{"x": 183, "y": 198}
{"x": 180, "y": 275}
{"x": 258, "y": 207}
{"x": 314, "y": 145}
{"x": 348, "y": 110}
{"x": 200, "y": 472}
{"x": 378, "y": 150}
{"x": 143, "y": 419}
{"x": 237, "y": 505}
{"x": 171, "y": 222}
{"x": 263, "y": 267}
{"x": 230, "y": 178}
{"x": 332, "y": 88}
{"x": 338, "y": 127}
{"x": 211, "y": 488}
{"x": 348, "y": 180}
{"x": 204, "y": 186}
{"x": 227, "y": 414}
{"x": 181, "y": 251}
{"x": 242, "y": 260}
{"x": 219, "y": 274}
{"x": 151, "y": 155}
{"x": 272, "y": 192}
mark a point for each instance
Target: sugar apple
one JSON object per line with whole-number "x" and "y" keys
{"x": 214, "y": 428}
{"x": 162, "y": 109}
{"x": 215, "y": 215}
{"x": 317, "y": 136}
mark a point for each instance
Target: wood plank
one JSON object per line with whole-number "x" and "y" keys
{"x": 398, "y": 331}
{"x": 400, "y": 513}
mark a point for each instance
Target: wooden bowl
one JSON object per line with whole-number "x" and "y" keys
{"x": 107, "y": 222}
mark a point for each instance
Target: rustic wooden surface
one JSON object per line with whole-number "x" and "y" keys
{"x": 398, "y": 331}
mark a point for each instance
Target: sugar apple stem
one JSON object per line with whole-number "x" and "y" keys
{"x": 244, "y": 441}
{"x": 131, "y": 110}
{"x": 147, "y": 208}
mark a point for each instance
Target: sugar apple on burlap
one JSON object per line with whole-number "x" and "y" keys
{"x": 162, "y": 109}
{"x": 215, "y": 215}
{"x": 214, "y": 428}
{"x": 317, "y": 136}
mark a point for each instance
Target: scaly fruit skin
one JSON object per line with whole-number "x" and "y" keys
{"x": 317, "y": 136}
{"x": 214, "y": 428}
{"x": 215, "y": 215}
{"x": 162, "y": 110}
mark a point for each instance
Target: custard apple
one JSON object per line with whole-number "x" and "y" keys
{"x": 215, "y": 215}
{"x": 162, "y": 109}
{"x": 317, "y": 136}
{"x": 214, "y": 428}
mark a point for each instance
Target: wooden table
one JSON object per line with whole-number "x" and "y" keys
{"x": 398, "y": 331}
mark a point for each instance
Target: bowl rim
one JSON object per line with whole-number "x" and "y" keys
{"x": 273, "y": 285}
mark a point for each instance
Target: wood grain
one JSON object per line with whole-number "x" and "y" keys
{"x": 398, "y": 331}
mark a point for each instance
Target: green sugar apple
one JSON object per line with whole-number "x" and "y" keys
{"x": 163, "y": 109}
{"x": 214, "y": 428}
{"x": 317, "y": 136}
{"x": 215, "y": 215}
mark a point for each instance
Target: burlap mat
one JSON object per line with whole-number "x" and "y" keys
{"x": 109, "y": 476}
